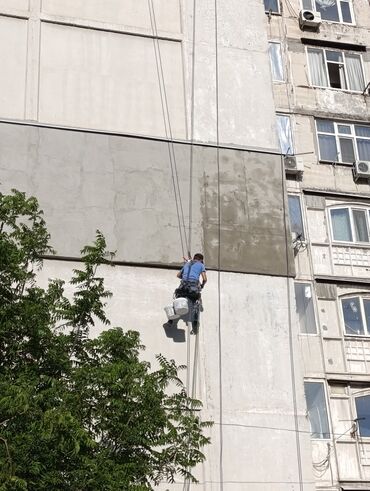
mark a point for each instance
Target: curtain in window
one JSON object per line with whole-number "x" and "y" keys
{"x": 363, "y": 149}
{"x": 285, "y": 134}
{"x": 352, "y": 316}
{"x": 354, "y": 73}
{"x": 359, "y": 220}
{"x": 317, "y": 68}
{"x": 276, "y": 61}
{"x": 328, "y": 148}
{"x": 347, "y": 150}
{"x": 341, "y": 224}
{"x": 317, "y": 411}
{"x": 363, "y": 414}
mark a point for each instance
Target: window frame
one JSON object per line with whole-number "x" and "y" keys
{"x": 350, "y": 207}
{"x": 291, "y": 122}
{"x": 277, "y": 81}
{"x": 360, "y": 296}
{"x": 343, "y": 53}
{"x": 299, "y": 197}
{"x": 273, "y": 11}
{"x": 326, "y": 398}
{"x": 356, "y": 395}
{"x": 353, "y": 137}
{"x": 310, "y": 284}
{"x": 341, "y": 21}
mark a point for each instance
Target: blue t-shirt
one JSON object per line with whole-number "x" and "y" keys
{"x": 196, "y": 268}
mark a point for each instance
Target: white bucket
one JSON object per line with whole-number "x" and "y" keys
{"x": 170, "y": 312}
{"x": 181, "y": 306}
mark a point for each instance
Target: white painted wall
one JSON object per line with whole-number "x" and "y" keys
{"x": 258, "y": 424}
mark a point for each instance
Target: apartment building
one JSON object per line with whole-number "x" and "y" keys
{"x": 320, "y": 67}
{"x": 177, "y": 124}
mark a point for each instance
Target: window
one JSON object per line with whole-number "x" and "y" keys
{"x": 336, "y": 69}
{"x": 332, "y": 10}
{"x": 350, "y": 224}
{"x": 272, "y": 5}
{"x": 295, "y": 215}
{"x": 284, "y": 134}
{"x": 356, "y": 316}
{"x": 317, "y": 410}
{"x": 343, "y": 142}
{"x": 363, "y": 415}
{"x": 276, "y": 61}
{"x": 304, "y": 308}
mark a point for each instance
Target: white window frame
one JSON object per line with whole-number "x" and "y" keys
{"x": 320, "y": 381}
{"x": 302, "y": 282}
{"x": 295, "y": 195}
{"x": 343, "y": 53}
{"x": 355, "y": 394}
{"x": 273, "y": 11}
{"x": 275, "y": 80}
{"x": 291, "y": 122}
{"x": 352, "y": 136}
{"x": 341, "y": 21}
{"x": 360, "y": 296}
{"x": 350, "y": 208}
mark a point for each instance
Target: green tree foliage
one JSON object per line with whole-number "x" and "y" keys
{"x": 80, "y": 414}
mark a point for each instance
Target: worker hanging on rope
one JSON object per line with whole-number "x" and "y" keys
{"x": 190, "y": 287}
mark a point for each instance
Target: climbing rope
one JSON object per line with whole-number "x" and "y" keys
{"x": 168, "y": 131}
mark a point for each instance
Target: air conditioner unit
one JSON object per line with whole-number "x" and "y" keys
{"x": 361, "y": 170}
{"x": 309, "y": 18}
{"x": 293, "y": 165}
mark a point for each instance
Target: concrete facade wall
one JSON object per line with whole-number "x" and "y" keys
{"x": 258, "y": 432}
{"x": 74, "y": 65}
{"x": 330, "y": 356}
{"x": 123, "y": 186}
{"x": 79, "y": 66}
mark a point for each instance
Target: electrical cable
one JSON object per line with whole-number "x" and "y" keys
{"x": 192, "y": 111}
{"x": 221, "y": 472}
{"x": 169, "y": 134}
{"x": 291, "y": 347}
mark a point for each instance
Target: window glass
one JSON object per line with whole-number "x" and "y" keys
{"x": 334, "y": 56}
{"x": 285, "y": 134}
{"x": 272, "y": 5}
{"x": 346, "y": 12}
{"x": 295, "y": 215}
{"x": 328, "y": 9}
{"x": 341, "y": 224}
{"x": 328, "y": 148}
{"x": 363, "y": 415}
{"x": 359, "y": 221}
{"x": 346, "y": 149}
{"x": 366, "y": 303}
{"x": 305, "y": 308}
{"x": 276, "y": 61}
{"x": 325, "y": 125}
{"x": 317, "y": 67}
{"x": 344, "y": 129}
{"x": 363, "y": 149}
{"x": 352, "y": 316}
{"x": 317, "y": 410}
{"x": 344, "y": 69}
{"x": 354, "y": 72}
{"x": 362, "y": 131}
